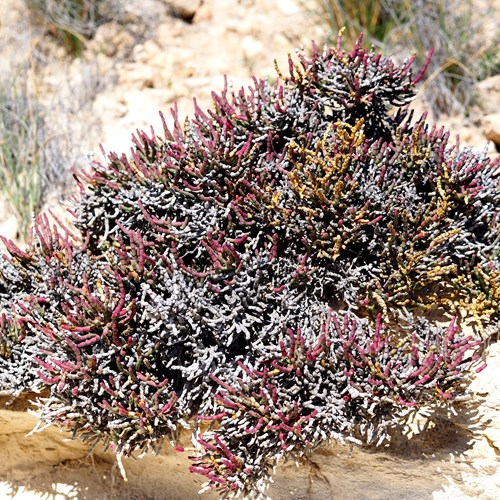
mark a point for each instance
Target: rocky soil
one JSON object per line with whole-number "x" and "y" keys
{"x": 178, "y": 50}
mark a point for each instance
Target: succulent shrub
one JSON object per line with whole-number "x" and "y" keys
{"x": 261, "y": 274}
{"x": 465, "y": 40}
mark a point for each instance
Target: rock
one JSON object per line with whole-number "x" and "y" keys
{"x": 9, "y": 225}
{"x": 489, "y": 94}
{"x": 184, "y": 9}
{"x": 144, "y": 52}
{"x": 252, "y": 47}
{"x": 137, "y": 76}
{"x": 203, "y": 14}
{"x": 288, "y": 6}
{"x": 168, "y": 30}
{"x": 112, "y": 40}
{"x": 162, "y": 64}
{"x": 491, "y": 129}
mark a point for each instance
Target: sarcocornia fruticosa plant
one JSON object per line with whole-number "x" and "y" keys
{"x": 262, "y": 273}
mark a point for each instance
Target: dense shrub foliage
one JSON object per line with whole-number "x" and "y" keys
{"x": 262, "y": 273}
